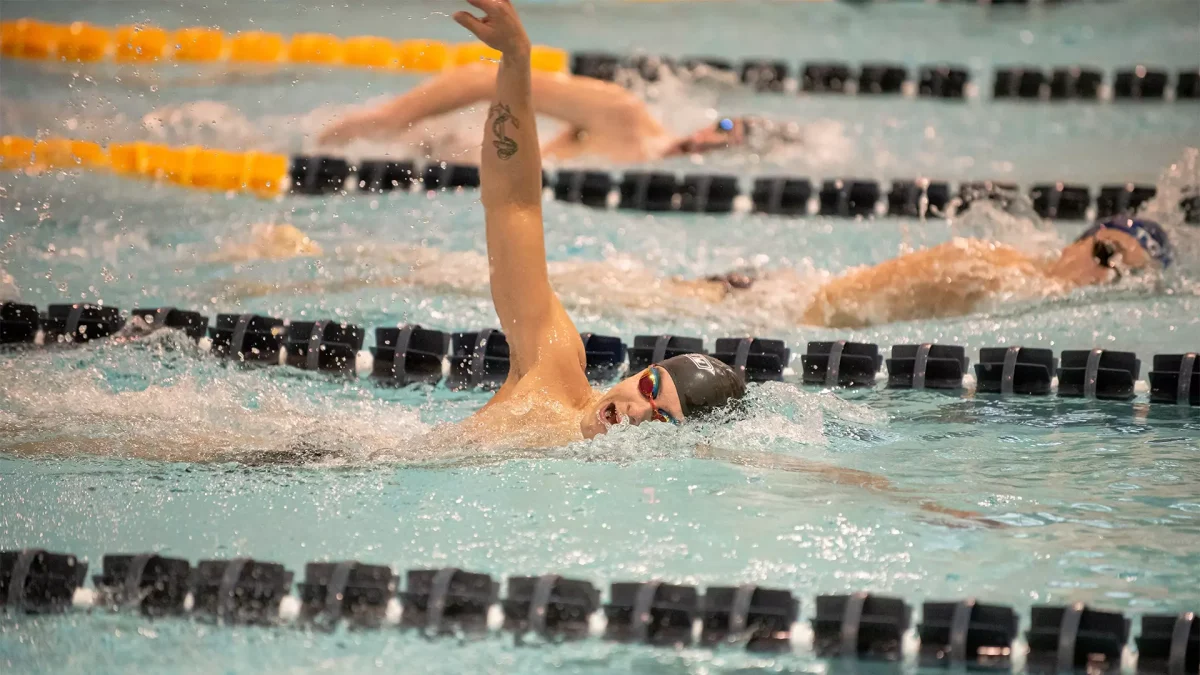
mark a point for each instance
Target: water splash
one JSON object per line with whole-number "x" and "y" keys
{"x": 1014, "y": 223}
{"x": 205, "y": 123}
{"x": 1178, "y": 181}
{"x": 8, "y": 287}
{"x": 267, "y": 241}
{"x": 179, "y": 405}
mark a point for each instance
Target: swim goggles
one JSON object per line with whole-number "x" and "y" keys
{"x": 759, "y": 133}
{"x": 649, "y": 386}
{"x": 1149, "y": 235}
{"x": 1104, "y": 253}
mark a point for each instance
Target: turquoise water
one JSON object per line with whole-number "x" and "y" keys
{"x": 1099, "y": 500}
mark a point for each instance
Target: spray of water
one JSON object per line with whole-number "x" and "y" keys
{"x": 1178, "y": 181}
{"x": 8, "y": 287}
{"x": 193, "y": 409}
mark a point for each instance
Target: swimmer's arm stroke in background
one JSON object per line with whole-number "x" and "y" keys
{"x": 583, "y": 103}
{"x": 540, "y": 334}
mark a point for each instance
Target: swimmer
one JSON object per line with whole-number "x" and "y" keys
{"x": 547, "y": 399}
{"x": 603, "y": 119}
{"x": 962, "y": 275}
{"x": 957, "y": 278}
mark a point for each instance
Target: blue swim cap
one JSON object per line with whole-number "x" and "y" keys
{"x": 1149, "y": 234}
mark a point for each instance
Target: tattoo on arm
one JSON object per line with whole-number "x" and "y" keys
{"x": 505, "y": 146}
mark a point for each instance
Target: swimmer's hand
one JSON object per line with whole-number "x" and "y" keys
{"x": 500, "y": 28}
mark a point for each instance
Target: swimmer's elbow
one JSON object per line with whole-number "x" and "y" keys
{"x": 617, "y": 111}
{"x": 628, "y": 112}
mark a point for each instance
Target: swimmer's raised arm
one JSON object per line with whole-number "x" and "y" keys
{"x": 511, "y": 190}
{"x": 511, "y": 160}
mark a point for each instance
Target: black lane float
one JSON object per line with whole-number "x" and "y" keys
{"x": 662, "y": 191}
{"x": 412, "y": 354}
{"x": 454, "y": 602}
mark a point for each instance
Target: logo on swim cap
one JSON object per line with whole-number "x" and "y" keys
{"x": 702, "y": 383}
{"x": 702, "y": 363}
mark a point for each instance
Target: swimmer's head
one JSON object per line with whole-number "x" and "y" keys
{"x": 729, "y": 133}
{"x": 679, "y": 389}
{"x": 1148, "y": 235}
{"x": 1114, "y": 247}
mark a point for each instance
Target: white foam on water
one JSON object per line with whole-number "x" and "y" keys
{"x": 205, "y": 123}
{"x": 1179, "y": 180}
{"x": 774, "y": 417}
{"x": 237, "y": 415}
{"x": 686, "y": 102}
{"x": 266, "y": 241}
{"x": 1016, "y": 225}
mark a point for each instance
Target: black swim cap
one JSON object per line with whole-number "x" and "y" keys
{"x": 703, "y": 383}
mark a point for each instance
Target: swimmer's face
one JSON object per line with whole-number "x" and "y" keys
{"x": 625, "y": 402}
{"x": 1102, "y": 258}
{"x": 726, "y": 133}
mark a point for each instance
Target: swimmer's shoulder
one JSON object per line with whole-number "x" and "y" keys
{"x": 991, "y": 251}
{"x": 561, "y": 377}
{"x": 558, "y": 377}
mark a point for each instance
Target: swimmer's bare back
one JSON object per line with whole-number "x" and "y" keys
{"x": 951, "y": 279}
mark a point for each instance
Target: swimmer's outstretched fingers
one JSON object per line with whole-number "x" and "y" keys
{"x": 499, "y": 29}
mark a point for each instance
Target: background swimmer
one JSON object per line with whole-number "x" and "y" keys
{"x": 603, "y": 119}
{"x": 958, "y": 277}
{"x": 955, "y": 278}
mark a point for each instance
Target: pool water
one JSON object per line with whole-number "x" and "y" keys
{"x": 151, "y": 444}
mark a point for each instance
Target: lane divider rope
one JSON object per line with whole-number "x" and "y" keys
{"x": 270, "y": 175}
{"x": 481, "y": 358}
{"x": 758, "y": 619}
{"x": 81, "y": 42}
{"x": 940, "y": 81}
